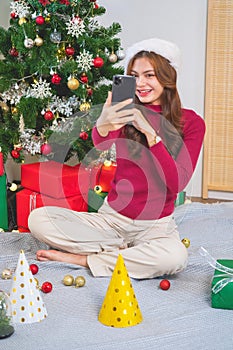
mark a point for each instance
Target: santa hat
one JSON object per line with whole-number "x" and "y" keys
{"x": 162, "y": 47}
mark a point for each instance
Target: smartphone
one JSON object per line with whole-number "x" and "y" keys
{"x": 123, "y": 88}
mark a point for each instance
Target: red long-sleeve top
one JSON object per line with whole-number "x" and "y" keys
{"x": 146, "y": 188}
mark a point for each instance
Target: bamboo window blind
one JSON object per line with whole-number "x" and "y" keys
{"x": 218, "y": 145}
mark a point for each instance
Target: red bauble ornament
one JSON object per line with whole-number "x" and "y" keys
{"x": 13, "y": 52}
{"x": 34, "y": 269}
{"x": 165, "y": 284}
{"x": 15, "y": 154}
{"x": 40, "y": 20}
{"x": 46, "y": 149}
{"x": 98, "y": 62}
{"x": 14, "y": 15}
{"x": 89, "y": 91}
{"x": 70, "y": 51}
{"x": 56, "y": 79}
{"x": 96, "y": 6}
{"x": 84, "y": 79}
{"x": 83, "y": 135}
{"x": 47, "y": 287}
{"x": 48, "y": 115}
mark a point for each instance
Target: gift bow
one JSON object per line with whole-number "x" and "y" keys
{"x": 228, "y": 272}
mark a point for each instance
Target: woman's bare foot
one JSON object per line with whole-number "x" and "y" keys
{"x": 55, "y": 255}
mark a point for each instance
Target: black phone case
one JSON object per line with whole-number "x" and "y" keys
{"x": 123, "y": 88}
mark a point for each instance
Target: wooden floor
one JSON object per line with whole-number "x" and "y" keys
{"x": 209, "y": 200}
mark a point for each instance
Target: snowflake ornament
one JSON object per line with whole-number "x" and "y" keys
{"x": 75, "y": 27}
{"x": 93, "y": 25}
{"x": 20, "y": 8}
{"x": 64, "y": 106}
{"x": 14, "y": 94}
{"x": 31, "y": 142}
{"x": 40, "y": 89}
{"x": 85, "y": 60}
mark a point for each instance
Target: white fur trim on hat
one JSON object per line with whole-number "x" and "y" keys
{"x": 162, "y": 47}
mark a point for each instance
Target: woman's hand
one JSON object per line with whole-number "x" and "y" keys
{"x": 141, "y": 124}
{"x": 113, "y": 117}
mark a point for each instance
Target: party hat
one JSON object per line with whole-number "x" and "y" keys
{"x": 27, "y": 304}
{"x": 120, "y": 307}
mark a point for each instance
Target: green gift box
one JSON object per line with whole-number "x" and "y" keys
{"x": 3, "y": 203}
{"x": 95, "y": 200}
{"x": 180, "y": 198}
{"x": 222, "y": 287}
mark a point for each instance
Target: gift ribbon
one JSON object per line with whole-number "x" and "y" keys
{"x": 227, "y": 271}
{"x": 32, "y": 202}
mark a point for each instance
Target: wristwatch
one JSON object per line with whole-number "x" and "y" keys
{"x": 156, "y": 140}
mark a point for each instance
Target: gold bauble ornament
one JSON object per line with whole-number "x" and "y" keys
{"x": 68, "y": 280}
{"x": 79, "y": 281}
{"x": 73, "y": 84}
{"x": 4, "y": 107}
{"x": 38, "y": 41}
{"x": 186, "y": 242}
{"x": 85, "y": 106}
{"x": 113, "y": 58}
{"x": 47, "y": 18}
{"x": 6, "y": 274}
{"x": 22, "y": 20}
{"x": 14, "y": 110}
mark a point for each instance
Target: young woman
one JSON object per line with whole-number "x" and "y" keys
{"x": 157, "y": 148}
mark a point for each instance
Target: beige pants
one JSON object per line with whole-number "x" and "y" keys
{"x": 150, "y": 248}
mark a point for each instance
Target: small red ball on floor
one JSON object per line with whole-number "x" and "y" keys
{"x": 165, "y": 284}
{"x": 34, "y": 268}
{"x": 47, "y": 287}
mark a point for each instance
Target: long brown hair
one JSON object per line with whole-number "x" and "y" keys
{"x": 169, "y": 100}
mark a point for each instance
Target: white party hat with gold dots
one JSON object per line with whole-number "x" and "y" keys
{"x": 27, "y": 304}
{"x": 120, "y": 307}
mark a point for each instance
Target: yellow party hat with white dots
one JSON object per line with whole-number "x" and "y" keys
{"x": 26, "y": 303}
{"x": 120, "y": 307}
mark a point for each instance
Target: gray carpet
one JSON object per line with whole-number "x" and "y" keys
{"x": 180, "y": 318}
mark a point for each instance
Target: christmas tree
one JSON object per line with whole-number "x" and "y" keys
{"x": 57, "y": 60}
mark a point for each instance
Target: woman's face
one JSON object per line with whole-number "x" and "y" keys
{"x": 148, "y": 88}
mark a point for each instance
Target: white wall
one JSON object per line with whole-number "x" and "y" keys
{"x": 181, "y": 21}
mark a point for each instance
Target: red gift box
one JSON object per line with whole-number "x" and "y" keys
{"x": 55, "y": 179}
{"x": 27, "y": 200}
{"x": 102, "y": 175}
